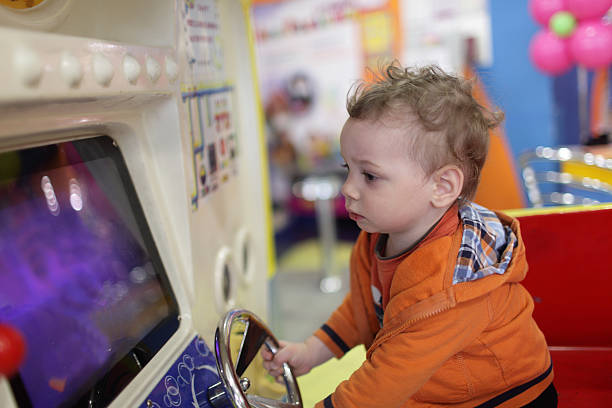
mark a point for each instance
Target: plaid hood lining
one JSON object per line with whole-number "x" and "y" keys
{"x": 486, "y": 245}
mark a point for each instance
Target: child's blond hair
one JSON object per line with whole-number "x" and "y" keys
{"x": 452, "y": 127}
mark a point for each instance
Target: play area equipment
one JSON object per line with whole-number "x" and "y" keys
{"x": 570, "y": 175}
{"x": 568, "y": 271}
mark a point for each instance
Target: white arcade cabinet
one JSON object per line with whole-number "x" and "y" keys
{"x": 133, "y": 207}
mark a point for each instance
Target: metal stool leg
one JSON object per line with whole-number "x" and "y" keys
{"x": 326, "y": 223}
{"x": 322, "y": 191}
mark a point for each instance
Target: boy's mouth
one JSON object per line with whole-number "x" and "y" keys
{"x": 354, "y": 216}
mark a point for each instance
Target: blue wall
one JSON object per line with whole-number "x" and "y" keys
{"x": 513, "y": 83}
{"x": 565, "y": 91}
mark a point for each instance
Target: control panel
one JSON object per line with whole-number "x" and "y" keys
{"x": 186, "y": 382}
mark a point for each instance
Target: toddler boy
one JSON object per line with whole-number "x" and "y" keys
{"x": 435, "y": 294}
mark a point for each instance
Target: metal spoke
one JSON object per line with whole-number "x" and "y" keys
{"x": 254, "y": 336}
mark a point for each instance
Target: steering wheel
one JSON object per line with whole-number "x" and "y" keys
{"x": 232, "y": 389}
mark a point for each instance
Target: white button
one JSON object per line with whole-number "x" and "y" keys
{"x": 103, "y": 70}
{"x": 131, "y": 68}
{"x": 71, "y": 70}
{"x": 27, "y": 66}
{"x": 171, "y": 69}
{"x": 153, "y": 69}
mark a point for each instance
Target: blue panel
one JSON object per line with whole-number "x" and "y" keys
{"x": 513, "y": 82}
{"x": 186, "y": 382}
{"x": 567, "y": 118}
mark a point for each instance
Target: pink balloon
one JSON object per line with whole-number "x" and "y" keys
{"x": 588, "y": 9}
{"x": 542, "y": 10}
{"x": 550, "y": 53}
{"x": 591, "y": 44}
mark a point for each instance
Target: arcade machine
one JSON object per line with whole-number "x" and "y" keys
{"x": 134, "y": 242}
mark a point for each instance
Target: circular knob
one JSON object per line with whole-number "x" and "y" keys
{"x": 28, "y": 66}
{"x": 153, "y": 69}
{"x": 71, "y": 70}
{"x": 131, "y": 69}
{"x": 245, "y": 383}
{"x": 12, "y": 350}
{"x": 103, "y": 69}
{"x": 231, "y": 388}
{"x": 171, "y": 69}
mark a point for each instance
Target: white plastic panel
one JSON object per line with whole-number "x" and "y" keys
{"x": 141, "y": 22}
{"x": 74, "y": 69}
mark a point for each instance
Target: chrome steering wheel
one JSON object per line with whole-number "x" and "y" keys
{"x": 232, "y": 389}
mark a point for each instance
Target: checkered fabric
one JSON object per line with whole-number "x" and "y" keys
{"x": 486, "y": 245}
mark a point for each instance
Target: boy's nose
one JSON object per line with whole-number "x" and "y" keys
{"x": 348, "y": 190}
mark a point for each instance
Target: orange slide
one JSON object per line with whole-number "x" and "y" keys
{"x": 500, "y": 187}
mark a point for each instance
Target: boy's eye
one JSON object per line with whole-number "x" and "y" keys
{"x": 369, "y": 176}
{"x": 344, "y": 165}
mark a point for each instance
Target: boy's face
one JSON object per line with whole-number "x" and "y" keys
{"x": 385, "y": 190}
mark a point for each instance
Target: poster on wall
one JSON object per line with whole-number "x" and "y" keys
{"x": 213, "y": 136}
{"x": 380, "y": 32}
{"x": 438, "y": 32}
{"x": 207, "y": 95}
{"x": 304, "y": 93}
{"x": 201, "y": 40}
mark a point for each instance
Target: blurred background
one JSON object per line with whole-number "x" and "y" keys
{"x": 545, "y": 63}
{"x": 70, "y": 75}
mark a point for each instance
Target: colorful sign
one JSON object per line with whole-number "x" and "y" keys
{"x": 207, "y": 99}
{"x": 213, "y": 138}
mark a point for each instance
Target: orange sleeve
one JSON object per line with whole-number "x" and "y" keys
{"x": 341, "y": 332}
{"x": 400, "y": 366}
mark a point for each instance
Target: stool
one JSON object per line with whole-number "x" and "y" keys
{"x": 322, "y": 190}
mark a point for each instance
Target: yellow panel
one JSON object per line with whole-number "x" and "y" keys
{"x": 584, "y": 170}
{"x": 20, "y": 4}
{"x": 323, "y": 380}
{"x": 522, "y": 212}
{"x": 263, "y": 150}
{"x": 376, "y": 32}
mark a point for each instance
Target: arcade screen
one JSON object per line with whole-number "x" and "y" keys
{"x": 80, "y": 275}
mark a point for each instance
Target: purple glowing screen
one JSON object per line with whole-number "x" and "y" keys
{"x": 79, "y": 273}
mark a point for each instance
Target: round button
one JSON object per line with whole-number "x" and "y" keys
{"x": 153, "y": 69}
{"x": 71, "y": 70}
{"x": 131, "y": 69}
{"x": 28, "y": 66}
{"x": 12, "y": 350}
{"x": 171, "y": 69}
{"x": 103, "y": 70}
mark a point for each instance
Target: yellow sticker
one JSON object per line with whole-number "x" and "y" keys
{"x": 377, "y": 33}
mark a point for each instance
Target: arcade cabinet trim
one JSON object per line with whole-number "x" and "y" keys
{"x": 524, "y": 212}
{"x": 246, "y": 8}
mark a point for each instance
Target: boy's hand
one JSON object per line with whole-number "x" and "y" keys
{"x": 295, "y": 354}
{"x": 302, "y": 357}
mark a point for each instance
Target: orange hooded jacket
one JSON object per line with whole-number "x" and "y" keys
{"x": 464, "y": 344}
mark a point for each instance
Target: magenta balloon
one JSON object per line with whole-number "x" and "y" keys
{"x": 550, "y": 53}
{"x": 591, "y": 44}
{"x": 542, "y": 10}
{"x": 588, "y": 9}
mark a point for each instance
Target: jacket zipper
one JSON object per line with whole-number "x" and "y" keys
{"x": 446, "y": 305}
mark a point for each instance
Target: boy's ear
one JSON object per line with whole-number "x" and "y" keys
{"x": 448, "y": 182}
